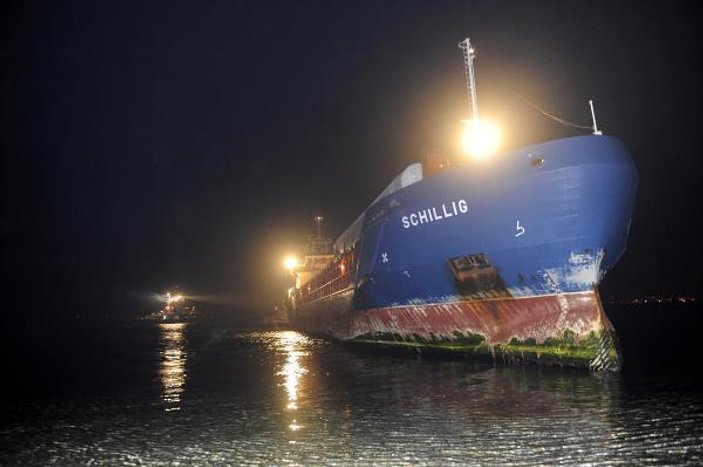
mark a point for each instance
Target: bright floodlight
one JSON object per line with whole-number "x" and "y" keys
{"x": 173, "y": 298}
{"x": 480, "y": 138}
{"x": 290, "y": 262}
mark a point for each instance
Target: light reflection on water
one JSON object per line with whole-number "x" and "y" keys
{"x": 173, "y": 364}
{"x": 281, "y": 398}
{"x": 349, "y": 407}
{"x": 292, "y": 344}
{"x": 292, "y": 375}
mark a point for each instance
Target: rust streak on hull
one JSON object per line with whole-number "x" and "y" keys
{"x": 563, "y": 329}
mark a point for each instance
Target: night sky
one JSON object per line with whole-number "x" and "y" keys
{"x": 148, "y": 144}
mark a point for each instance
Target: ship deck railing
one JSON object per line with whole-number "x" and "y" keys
{"x": 335, "y": 285}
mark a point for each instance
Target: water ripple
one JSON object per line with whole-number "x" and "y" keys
{"x": 281, "y": 398}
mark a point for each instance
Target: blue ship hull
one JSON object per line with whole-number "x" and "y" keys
{"x": 554, "y": 226}
{"x": 490, "y": 257}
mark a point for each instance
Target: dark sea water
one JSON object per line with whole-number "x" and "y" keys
{"x": 198, "y": 394}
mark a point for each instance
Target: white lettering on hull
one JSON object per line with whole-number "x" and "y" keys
{"x": 435, "y": 213}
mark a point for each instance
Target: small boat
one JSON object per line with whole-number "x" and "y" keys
{"x": 175, "y": 310}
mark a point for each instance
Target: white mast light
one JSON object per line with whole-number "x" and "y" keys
{"x": 480, "y": 138}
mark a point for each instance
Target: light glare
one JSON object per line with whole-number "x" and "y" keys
{"x": 290, "y": 262}
{"x": 480, "y": 138}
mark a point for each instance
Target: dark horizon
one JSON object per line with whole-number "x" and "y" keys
{"x": 149, "y": 145}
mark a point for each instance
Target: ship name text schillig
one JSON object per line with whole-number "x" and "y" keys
{"x": 435, "y": 213}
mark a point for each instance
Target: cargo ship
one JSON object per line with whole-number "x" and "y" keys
{"x": 500, "y": 260}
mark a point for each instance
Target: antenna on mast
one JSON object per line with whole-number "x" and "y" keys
{"x": 596, "y": 131}
{"x": 469, "y": 55}
{"x": 318, "y": 220}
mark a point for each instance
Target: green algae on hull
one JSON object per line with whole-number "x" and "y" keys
{"x": 595, "y": 351}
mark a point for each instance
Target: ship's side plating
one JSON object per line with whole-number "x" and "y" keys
{"x": 502, "y": 258}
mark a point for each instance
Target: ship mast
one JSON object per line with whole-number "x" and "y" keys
{"x": 481, "y": 138}
{"x": 317, "y": 244}
{"x": 318, "y": 221}
{"x": 469, "y": 55}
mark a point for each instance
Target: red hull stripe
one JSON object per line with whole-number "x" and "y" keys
{"x": 497, "y": 320}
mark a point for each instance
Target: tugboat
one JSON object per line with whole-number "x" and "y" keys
{"x": 175, "y": 310}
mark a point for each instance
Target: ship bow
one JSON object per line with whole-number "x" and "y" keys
{"x": 567, "y": 330}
